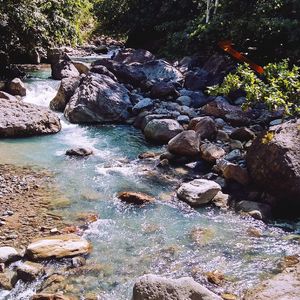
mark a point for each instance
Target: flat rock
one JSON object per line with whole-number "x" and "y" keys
{"x": 155, "y": 287}
{"x": 58, "y": 247}
{"x": 135, "y": 197}
{"x": 19, "y": 119}
{"x": 198, "y": 191}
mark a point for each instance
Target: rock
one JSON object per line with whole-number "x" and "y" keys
{"x": 194, "y": 81}
{"x": 221, "y": 200}
{"x": 242, "y": 134}
{"x": 155, "y": 287}
{"x": 98, "y": 99}
{"x": 45, "y": 296}
{"x": 210, "y": 152}
{"x": 8, "y": 254}
{"x": 273, "y": 162}
{"x": 7, "y": 96}
{"x": 104, "y": 71}
{"x": 182, "y": 119}
{"x": 59, "y": 246}
{"x": 81, "y": 67}
{"x": 199, "y": 99}
{"x": 184, "y": 100}
{"x": 198, "y": 191}
{"x": 135, "y": 198}
{"x": 146, "y": 118}
{"x": 234, "y": 155}
{"x": 101, "y": 49}
{"x": 17, "y": 88}
{"x": 161, "y": 131}
{"x": 79, "y": 152}
{"x": 215, "y": 277}
{"x": 5, "y": 281}
{"x": 235, "y": 144}
{"x": 144, "y": 104}
{"x": 276, "y": 122}
{"x": 66, "y": 90}
{"x": 260, "y": 211}
{"x": 147, "y": 155}
{"x": 163, "y": 89}
{"x": 185, "y": 143}
{"x": 19, "y": 119}
{"x": 204, "y": 126}
{"x": 63, "y": 69}
{"x": 29, "y": 271}
{"x": 222, "y": 136}
{"x": 128, "y": 56}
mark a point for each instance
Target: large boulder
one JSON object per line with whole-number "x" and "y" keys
{"x": 128, "y": 56}
{"x": 66, "y": 90}
{"x": 19, "y": 119}
{"x": 98, "y": 99}
{"x": 62, "y": 69}
{"x": 161, "y": 131}
{"x": 206, "y": 127}
{"x": 185, "y": 143}
{"x": 273, "y": 161}
{"x": 60, "y": 246}
{"x": 155, "y": 287}
{"x": 163, "y": 89}
{"x": 198, "y": 191}
{"x": 17, "y": 88}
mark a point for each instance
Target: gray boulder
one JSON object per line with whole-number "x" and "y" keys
{"x": 144, "y": 104}
{"x": 160, "y": 131}
{"x": 198, "y": 191}
{"x": 163, "y": 89}
{"x": 154, "y": 287}
{"x": 62, "y": 69}
{"x": 19, "y": 119}
{"x": 98, "y": 99}
{"x": 128, "y": 56}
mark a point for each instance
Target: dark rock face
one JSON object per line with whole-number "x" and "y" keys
{"x": 19, "y": 119}
{"x": 98, "y": 99}
{"x": 66, "y": 90}
{"x": 194, "y": 81}
{"x": 273, "y": 161}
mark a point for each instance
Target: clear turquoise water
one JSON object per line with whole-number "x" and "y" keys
{"x": 132, "y": 241}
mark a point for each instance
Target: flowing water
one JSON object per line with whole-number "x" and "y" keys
{"x": 131, "y": 241}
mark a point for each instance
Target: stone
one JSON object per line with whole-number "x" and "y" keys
{"x": 135, "y": 198}
{"x": 215, "y": 277}
{"x": 19, "y": 119}
{"x": 144, "y": 104}
{"x": 79, "y": 152}
{"x": 273, "y": 162}
{"x": 242, "y": 134}
{"x": 260, "y": 211}
{"x": 7, "y": 96}
{"x": 82, "y": 68}
{"x": 5, "y": 281}
{"x": 184, "y": 100}
{"x": 17, "y": 88}
{"x": 221, "y": 200}
{"x": 98, "y": 99}
{"x": 29, "y": 271}
{"x": 198, "y": 191}
{"x": 104, "y": 71}
{"x": 161, "y": 131}
{"x": 163, "y": 89}
{"x": 204, "y": 126}
{"x": 128, "y": 56}
{"x": 8, "y": 254}
{"x": 199, "y": 99}
{"x": 182, "y": 119}
{"x": 185, "y": 143}
{"x": 63, "y": 69}
{"x": 222, "y": 136}
{"x": 65, "y": 92}
{"x": 146, "y": 155}
{"x": 234, "y": 155}
{"x": 45, "y": 296}
{"x": 210, "y": 152}
{"x": 194, "y": 81}
{"x": 155, "y": 287}
{"x": 59, "y": 246}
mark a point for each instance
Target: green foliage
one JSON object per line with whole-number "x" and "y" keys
{"x": 278, "y": 87}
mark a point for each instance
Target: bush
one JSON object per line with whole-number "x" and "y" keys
{"x": 278, "y": 87}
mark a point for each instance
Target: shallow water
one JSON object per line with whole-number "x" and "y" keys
{"x": 128, "y": 241}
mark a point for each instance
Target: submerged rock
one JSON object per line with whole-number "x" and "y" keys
{"x": 161, "y": 131}
{"x": 155, "y": 287}
{"x": 98, "y": 99}
{"x": 17, "y": 88}
{"x": 135, "y": 197}
{"x": 79, "y": 152}
{"x": 60, "y": 246}
{"x": 198, "y": 191}
{"x": 19, "y": 119}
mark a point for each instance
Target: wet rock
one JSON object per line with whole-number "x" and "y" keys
{"x": 81, "y": 67}
{"x": 78, "y": 261}
{"x": 242, "y": 134}
{"x": 17, "y": 88}
{"x": 45, "y": 296}
{"x": 98, "y": 99}
{"x": 135, "y": 198}
{"x": 19, "y": 119}
{"x": 215, "y": 277}
{"x": 163, "y": 89}
{"x": 201, "y": 236}
{"x": 29, "y": 271}
{"x": 234, "y": 155}
{"x": 198, "y": 191}
{"x": 79, "y": 152}
{"x": 128, "y": 56}
{"x": 7, "y": 96}
{"x": 66, "y": 90}
{"x": 144, "y": 104}
{"x": 161, "y": 131}
{"x": 185, "y": 143}
{"x": 155, "y": 287}
{"x": 211, "y": 152}
{"x": 182, "y": 119}
{"x": 254, "y": 232}
{"x": 60, "y": 246}
{"x": 63, "y": 69}
{"x": 260, "y": 211}
{"x": 9, "y": 254}
{"x": 221, "y": 200}
{"x": 273, "y": 162}
{"x": 147, "y": 155}
{"x": 204, "y": 126}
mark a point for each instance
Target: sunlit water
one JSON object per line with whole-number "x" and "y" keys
{"x": 131, "y": 241}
